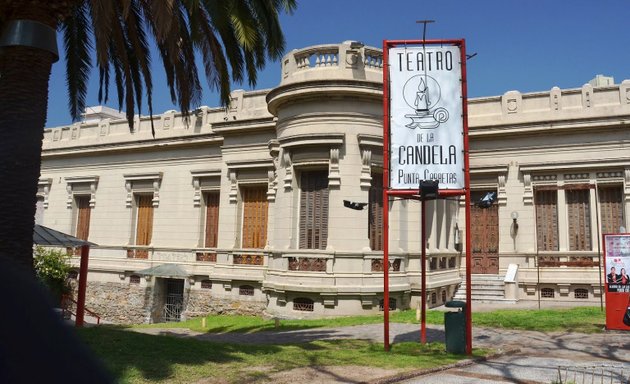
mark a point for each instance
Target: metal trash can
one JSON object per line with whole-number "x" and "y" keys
{"x": 455, "y": 327}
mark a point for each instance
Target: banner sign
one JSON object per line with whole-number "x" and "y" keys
{"x": 617, "y": 265}
{"x": 426, "y": 122}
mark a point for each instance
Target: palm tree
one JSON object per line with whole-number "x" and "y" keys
{"x": 232, "y": 37}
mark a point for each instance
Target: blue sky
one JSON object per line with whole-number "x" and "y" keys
{"x": 526, "y": 45}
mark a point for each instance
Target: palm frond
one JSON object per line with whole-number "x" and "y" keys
{"x": 77, "y": 44}
{"x": 219, "y": 15}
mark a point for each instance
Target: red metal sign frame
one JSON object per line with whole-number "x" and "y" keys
{"x": 617, "y": 303}
{"x": 461, "y": 43}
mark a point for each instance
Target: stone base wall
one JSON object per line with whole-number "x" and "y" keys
{"x": 201, "y": 303}
{"x": 117, "y": 303}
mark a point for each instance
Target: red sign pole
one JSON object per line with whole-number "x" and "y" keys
{"x": 467, "y": 209}
{"x": 423, "y": 267}
{"x": 83, "y": 267}
{"x": 385, "y": 195}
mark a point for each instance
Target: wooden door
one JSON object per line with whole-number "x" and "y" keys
{"x": 484, "y": 236}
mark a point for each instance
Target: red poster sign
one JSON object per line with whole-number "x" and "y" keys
{"x": 616, "y": 267}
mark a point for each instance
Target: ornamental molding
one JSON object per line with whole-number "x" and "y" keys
{"x": 72, "y": 186}
{"x": 155, "y": 180}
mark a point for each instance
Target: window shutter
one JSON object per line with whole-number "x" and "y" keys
{"x": 579, "y": 213}
{"x": 212, "y": 220}
{"x": 375, "y": 214}
{"x": 546, "y": 202}
{"x": 83, "y": 217}
{"x": 144, "y": 227}
{"x": 611, "y": 203}
{"x": 314, "y": 210}
{"x": 255, "y": 211}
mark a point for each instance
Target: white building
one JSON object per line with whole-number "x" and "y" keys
{"x": 241, "y": 209}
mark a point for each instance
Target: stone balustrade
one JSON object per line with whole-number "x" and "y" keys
{"x": 348, "y": 60}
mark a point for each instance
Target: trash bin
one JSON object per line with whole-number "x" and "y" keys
{"x": 455, "y": 327}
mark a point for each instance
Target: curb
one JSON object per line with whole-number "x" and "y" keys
{"x": 422, "y": 372}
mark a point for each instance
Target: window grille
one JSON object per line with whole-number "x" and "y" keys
{"x": 444, "y": 296}
{"x": 303, "y": 304}
{"x": 581, "y": 293}
{"x": 134, "y": 279}
{"x": 433, "y": 298}
{"x": 547, "y": 293}
{"x": 246, "y": 290}
{"x": 392, "y": 304}
{"x": 206, "y": 284}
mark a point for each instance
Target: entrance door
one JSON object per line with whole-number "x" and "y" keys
{"x": 174, "y": 300}
{"x": 484, "y": 235}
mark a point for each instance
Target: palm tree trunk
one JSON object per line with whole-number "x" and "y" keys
{"x": 24, "y": 77}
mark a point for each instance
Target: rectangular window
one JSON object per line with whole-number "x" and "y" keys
{"x": 546, "y": 202}
{"x": 579, "y": 216}
{"x": 83, "y": 217}
{"x": 255, "y": 207}
{"x": 144, "y": 223}
{"x": 313, "y": 210}
{"x": 375, "y": 214}
{"x": 211, "y": 233}
{"x": 611, "y": 205}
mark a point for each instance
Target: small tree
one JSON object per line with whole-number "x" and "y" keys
{"x": 52, "y": 267}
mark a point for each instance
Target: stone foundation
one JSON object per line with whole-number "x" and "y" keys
{"x": 118, "y": 303}
{"x": 201, "y": 303}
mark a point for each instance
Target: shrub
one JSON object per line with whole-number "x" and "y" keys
{"x": 52, "y": 267}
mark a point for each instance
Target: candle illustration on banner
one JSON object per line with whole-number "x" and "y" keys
{"x": 422, "y": 93}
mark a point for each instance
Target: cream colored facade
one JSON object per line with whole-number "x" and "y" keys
{"x": 326, "y": 115}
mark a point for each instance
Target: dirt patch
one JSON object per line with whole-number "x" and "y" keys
{"x": 328, "y": 374}
{"x": 311, "y": 375}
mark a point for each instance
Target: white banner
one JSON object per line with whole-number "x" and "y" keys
{"x": 426, "y": 124}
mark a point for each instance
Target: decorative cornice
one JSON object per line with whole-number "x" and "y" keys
{"x": 312, "y": 139}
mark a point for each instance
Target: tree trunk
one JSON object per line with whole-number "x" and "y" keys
{"x": 24, "y": 77}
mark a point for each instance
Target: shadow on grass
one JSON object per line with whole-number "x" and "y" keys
{"x": 150, "y": 357}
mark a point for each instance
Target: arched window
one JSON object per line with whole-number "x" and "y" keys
{"x": 581, "y": 293}
{"x": 547, "y": 293}
{"x": 73, "y": 274}
{"x": 303, "y": 304}
{"x": 433, "y": 298}
{"x": 246, "y": 290}
{"x": 443, "y": 296}
{"x": 392, "y": 304}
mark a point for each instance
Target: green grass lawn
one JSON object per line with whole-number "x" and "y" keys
{"x": 141, "y": 358}
{"x": 580, "y": 319}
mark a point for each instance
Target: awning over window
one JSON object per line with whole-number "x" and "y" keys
{"x": 165, "y": 270}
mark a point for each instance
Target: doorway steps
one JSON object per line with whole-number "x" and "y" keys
{"x": 484, "y": 289}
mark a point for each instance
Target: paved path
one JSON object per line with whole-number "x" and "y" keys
{"x": 534, "y": 356}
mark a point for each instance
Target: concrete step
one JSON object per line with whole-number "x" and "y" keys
{"x": 484, "y": 289}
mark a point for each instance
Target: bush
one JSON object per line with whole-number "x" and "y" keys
{"x": 52, "y": 267}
